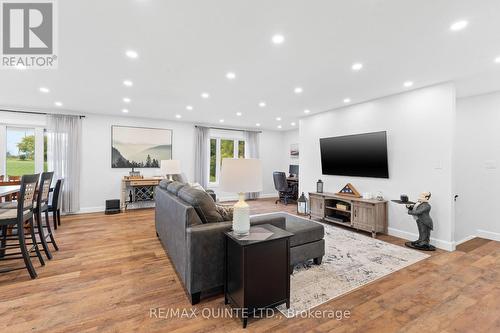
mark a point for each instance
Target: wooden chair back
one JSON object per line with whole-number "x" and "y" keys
{"x": 57, "y": 195}
{"x": 44, "y": 189}
{"x": 27, "y": 192}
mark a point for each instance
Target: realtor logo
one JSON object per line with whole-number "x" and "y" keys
{"x": 28, "y": 34}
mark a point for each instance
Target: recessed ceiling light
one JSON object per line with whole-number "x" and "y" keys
{"x": 278, "y": 118}
{"x": 230, "y": 75}
{"x": 262, "y": 104}
{"x": 258, "y": 124}
{"x": 408, "y": 84}
{"x": 347, "y": 100}
{"x": 278, "y": 39}
{"x": 239, "y": 114}
{"x": 497, "y": 60}
{"x": 126, "y": 100}
{"x": 279, "y": 126}
{"x": 293, "y": 124}
{"x": 189, "y": 107}
{"x": 128, "y": 83}
{"x": 44, "y": 90}
{"x": 298, "y": 90}
{"x": 205, "y": 95}
{"x": 307, "y": 111}
{"x": 459, "y": 25}
{"x": 178, "y": 116}
{"x": 125, "y": 110}
{"x": 58, "y": 104}
{"x": 357, "y": 66}
{"x": 132, "y": 54}
{"x": 221, "y": 120}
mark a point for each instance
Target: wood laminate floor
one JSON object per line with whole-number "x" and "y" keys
{"x": 111, "y": 272}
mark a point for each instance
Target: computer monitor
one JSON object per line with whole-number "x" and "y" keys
{"x": 293, "y": 170}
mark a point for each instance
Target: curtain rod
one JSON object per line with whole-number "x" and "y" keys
{"x": 42, "y": 113}
{"x": 228, "y": 129}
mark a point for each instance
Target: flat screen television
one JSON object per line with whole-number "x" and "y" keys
{"x": 361, "y": 155}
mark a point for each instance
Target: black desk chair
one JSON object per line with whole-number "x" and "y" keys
{"x": 285, "y": 191}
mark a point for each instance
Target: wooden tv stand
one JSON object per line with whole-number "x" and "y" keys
{"x": 362, "y": 214}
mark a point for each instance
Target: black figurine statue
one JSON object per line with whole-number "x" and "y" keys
{"x": 421, "y": 212}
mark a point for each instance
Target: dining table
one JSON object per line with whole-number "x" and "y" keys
{"x": 7, "y": 190}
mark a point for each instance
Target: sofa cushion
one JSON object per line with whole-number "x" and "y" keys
{"x": 202, "y": 203}
{"x": 174, "y": 187}
{"x": 304, "y": 231}
{"x": 164, "y": 183}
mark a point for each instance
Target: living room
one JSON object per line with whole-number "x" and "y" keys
{"x": 199, "y": 156}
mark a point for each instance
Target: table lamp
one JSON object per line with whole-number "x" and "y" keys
{"x": 170, "y": 167}
{"x": 241, "y": 176}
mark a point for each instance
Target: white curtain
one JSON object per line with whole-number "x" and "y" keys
{"x": 252, "y": 150}
{"x": 201, "y": 155}
{"x": 63, "y": 156}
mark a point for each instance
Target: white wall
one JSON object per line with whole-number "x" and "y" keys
{"x": 419, "y": 126}
{"x": 289, "y": 138}
{"x": 477, "y": 167}
{"x": 100, "y": 182}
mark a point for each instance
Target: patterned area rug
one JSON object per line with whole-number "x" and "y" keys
{"x": 351, "y": 260}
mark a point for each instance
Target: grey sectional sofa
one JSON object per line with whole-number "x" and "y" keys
{"x": 196, "y": 249}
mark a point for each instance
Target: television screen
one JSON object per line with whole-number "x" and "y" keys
{"x": 362, "y": 155}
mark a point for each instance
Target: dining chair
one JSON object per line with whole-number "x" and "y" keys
{"x": 42, "y": 208}
{"x": 21, "y": 219}
{"x": 55, "y": 205}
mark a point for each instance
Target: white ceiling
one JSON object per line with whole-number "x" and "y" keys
{"x": 186, "y": 47}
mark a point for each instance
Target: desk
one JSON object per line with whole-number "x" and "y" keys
{"x": 138, "y": 193}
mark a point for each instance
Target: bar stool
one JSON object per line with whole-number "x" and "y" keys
{"x": 55, "y": 205}
{"x": 42, "y": 207}
{"x": 20, "y": 218}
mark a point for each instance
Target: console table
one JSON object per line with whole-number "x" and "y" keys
{"x": 138, "y": 193}
{"x": 257, "y": 271}
{"x": 362, "y": 214}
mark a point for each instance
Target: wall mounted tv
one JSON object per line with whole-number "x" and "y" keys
{"x": 362, "y": 155}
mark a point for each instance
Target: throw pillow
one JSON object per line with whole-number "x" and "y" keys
{"x": 174, "y": 187}
{"x": 164, "y": 183}
{"x": 225, "y": 211}
{"x": 202, "y": 203}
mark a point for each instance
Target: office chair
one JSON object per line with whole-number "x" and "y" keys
{"x": 285, "y": 191}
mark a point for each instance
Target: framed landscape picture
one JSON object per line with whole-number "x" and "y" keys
{"x": 139, "y": 147}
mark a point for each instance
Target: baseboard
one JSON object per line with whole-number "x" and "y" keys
{"x": 466, "y": 239}
{"x": 444, "y": 245}
{"x": 87, "y": 210}
{"x": 495, "y": 236}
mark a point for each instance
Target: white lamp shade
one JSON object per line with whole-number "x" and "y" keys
{"x": 170, "y": 167}
{"x": 241, "y": 175}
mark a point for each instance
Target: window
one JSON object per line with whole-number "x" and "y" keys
{"x": 25, "y": 150}
{"x": 221, "y": 148}
{"x": 20, "y": 159}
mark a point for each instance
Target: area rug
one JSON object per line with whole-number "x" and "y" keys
{"x": 351, "y": 260}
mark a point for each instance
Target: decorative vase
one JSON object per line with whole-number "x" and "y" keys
{"x": 319, "y": 186}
